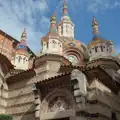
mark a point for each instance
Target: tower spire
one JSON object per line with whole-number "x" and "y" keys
{"x": 21, "y": 54}
{"x": 65, "y": 9}
{"x": 24, "y": 35}
{"x": 95, "y": 26}
{"x": 22, "y": 45}
{"x": 53, "y": 27}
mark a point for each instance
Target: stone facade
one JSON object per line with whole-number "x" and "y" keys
{"x": 66, "y": 82}
{"x": 59, "y": 92}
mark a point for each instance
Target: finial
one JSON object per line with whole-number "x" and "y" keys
{"x": 24, "y": 30}
{"x": 65, "y": 9}
{"x": 95, "y": 26}
{"x": 24, "y": 35}
{"x": 53, "y": 23}
{"x": 64, "y": 2}
{"x": 53, "y": 18}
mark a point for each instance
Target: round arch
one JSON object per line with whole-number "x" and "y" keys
{"x": 63, "y": 94}
{"x": 75, "y": 52}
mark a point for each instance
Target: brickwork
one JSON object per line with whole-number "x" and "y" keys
{"x": 7, "y": 46}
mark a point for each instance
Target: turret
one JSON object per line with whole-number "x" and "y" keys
{"x": 20, "y": 58}
{"x": 51, "y": 43}
{"x": 99, "y": 47}
{"x": 65, "y": 25}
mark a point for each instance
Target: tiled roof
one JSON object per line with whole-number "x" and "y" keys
{"x": 83, "y": 68}
{"x": 50, "y": 55}
{"x": 50, "y": 78}
{"x": 105, "y": 59}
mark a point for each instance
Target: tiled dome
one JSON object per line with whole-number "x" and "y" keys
{"x": 97, "y": 38}
{"x": 21, "y": 46}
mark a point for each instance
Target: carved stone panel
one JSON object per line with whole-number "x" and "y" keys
{"x": 57, "y": 101}
{"x": 58, "y": 104}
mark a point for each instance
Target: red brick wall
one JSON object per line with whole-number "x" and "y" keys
{"x": 6, "y": 47}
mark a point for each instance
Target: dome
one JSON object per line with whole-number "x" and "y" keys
{"x": 97, "y": 38}
{"x": 21, "y": 46}
{"x": 75, "y": 45}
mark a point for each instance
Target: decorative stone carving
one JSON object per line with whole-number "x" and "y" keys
{"x": 82, "y": 80}
{"x": 58, "y": 104}
{"x": 58, "y": 100}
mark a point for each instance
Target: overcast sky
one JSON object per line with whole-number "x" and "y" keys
{"x": 15, "y": 15}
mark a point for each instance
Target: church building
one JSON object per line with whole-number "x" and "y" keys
{"x": 68, "y": 81}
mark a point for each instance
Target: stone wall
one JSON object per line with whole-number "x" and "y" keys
{"x": 21, "y": 100}
{"x": 106, "y": 103}
{"x": 3, "y": 97}
{"x": 6, "y": 46}
{"x": 99, "y": 100}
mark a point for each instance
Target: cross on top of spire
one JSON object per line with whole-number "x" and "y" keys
{"x": 24, "y": 35}
{"x": 94, "y": 21}
{"x": 65, "y": 9}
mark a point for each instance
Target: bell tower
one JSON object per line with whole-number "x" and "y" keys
{"x": 65, "y": 25}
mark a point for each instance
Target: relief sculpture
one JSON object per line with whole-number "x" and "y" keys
{"x": 58, "y": 104}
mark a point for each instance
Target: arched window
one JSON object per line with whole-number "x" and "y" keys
{"x": 59, "y": 44}
{"x": 19, "y": 58}
{"x": 113, "y": 116}
{"x": 62, "y": 30}
{"x": 54, "y": 43}
{"x": 101, "y": 47}
{"x": 67, "y": 28}
{"x": 96, "y": 48}
{"x": 24, "y": 59}
{"x": 90, "y": 51}
{"x": 45, "y": 46}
